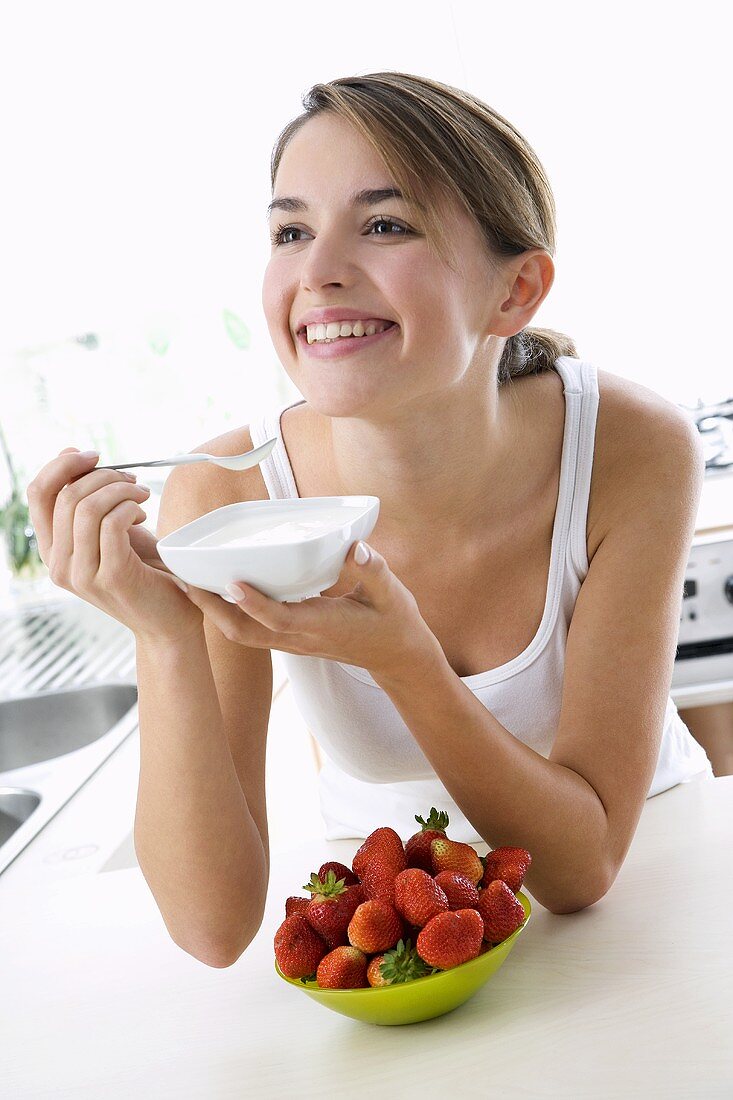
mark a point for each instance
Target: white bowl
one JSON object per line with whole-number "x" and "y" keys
{"x": 293, "y": 568}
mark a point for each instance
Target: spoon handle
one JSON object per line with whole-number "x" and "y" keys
{"x": 179, "y": 460}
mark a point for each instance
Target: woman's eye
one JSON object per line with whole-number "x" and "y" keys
{"x": 388, "y": 221}
{"x": 278, "y": 234}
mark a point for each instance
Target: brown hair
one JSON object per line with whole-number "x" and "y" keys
{"x": 436, "y": 140}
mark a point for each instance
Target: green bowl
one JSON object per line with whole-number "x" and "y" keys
{"x": 421, "y": 999}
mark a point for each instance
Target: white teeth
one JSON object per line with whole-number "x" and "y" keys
{"x": 335, "y": 330}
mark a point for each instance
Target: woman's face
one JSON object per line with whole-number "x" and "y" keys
{"x": 334, "y": 253}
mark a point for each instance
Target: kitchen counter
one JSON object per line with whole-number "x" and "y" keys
{"x": 631, "y": 997}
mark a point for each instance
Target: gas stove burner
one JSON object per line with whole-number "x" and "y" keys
{"x": 715, "y": 424}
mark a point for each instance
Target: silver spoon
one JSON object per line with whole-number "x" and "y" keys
{"x": 229, "y": 462}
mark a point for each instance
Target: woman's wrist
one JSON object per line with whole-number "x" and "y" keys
{"x": 180, "y": 641}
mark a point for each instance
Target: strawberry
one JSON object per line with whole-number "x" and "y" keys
{"x": 375, "y": 926}
{"x": 378, "y": 861}
{"x": 341, "y": 871}
{"x": 451, "y": 938}
{"x": 452, "y": 855}
{"x": 402, "y": 964}
{"x": 331, "y": 907}
{"x": 500, "y": 910}
{"x": 418, "y": 897}
{"x": 460, "y": 891}
{"x": 417, "y": 848}
{"x": 412, "y": 931}
{"x": 296, "y": 905}
{"x": 343, "y": 968}
{"x": 508, "y": 864}
{"x": 298, "y": 948}
{"x": 374, "y": 974}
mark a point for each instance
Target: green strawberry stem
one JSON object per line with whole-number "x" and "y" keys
{"x": 329, "y": 887}
{"x": 403, "y": 964}
{"x": 436, "y": 820}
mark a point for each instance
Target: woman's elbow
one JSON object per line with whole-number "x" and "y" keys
{"x": 573, "y": 903}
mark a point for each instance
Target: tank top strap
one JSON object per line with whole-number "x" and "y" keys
{"x": 581, "y": 380}
{"x": 276, "y": 469}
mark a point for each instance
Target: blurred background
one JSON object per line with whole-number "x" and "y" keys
{"x": 136, "y": 143}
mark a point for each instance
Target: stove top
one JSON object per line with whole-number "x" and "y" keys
{"x": 715, "y": 424}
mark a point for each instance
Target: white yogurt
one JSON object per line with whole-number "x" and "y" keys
{"x": 290, "y": 531}
{"x": 280, "y": 531}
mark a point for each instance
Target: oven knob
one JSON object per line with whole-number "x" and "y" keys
{"x": 728, "y": 588}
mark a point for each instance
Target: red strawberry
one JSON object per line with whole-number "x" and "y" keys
{"x": 298, "y": 948}
{"x": 418, "y": 897}
{"x": 343, "y": 968}
{"x": 502, "y": 913}
{"x": 417, "y": 848}
{"x": 401, "y": 964}
{"x": 508, "y": 864}
{"x": 452, "y": 855}
{"x": 331, "y": 908}
{"x": 378, "y": 861}
{"x": 375, "y": 926}
{"x": 340, "y": 870}
{"x": 374, "y": 974}
{"x": 451, "y": 938}
{"x": 296, "y": 905}
{"x": 460, "y": 891}
{"x": 412, "y": 931}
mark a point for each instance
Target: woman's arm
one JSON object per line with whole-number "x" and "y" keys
{"x": 201, "y": 819}
{"x": 510, "y": 793}
{"x": 577, "y": 811}
{"x": 196, "y": 840}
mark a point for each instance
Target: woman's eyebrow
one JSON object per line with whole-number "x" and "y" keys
{"x": 370, "y": 196}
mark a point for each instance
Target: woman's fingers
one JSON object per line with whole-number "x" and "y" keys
{"x": 87, "y": 523}
{"x": 114, "y": 548}
{"x": 73, "y": 496}
{"x": 45, "y": 488}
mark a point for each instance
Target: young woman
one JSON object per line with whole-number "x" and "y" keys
{"x": 506, "y": 652}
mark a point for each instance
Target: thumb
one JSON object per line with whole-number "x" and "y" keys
{"x": 373, "y": 578}
{"x": 367, "y": 568}
{"x": 362, "y": 557}
{"x": 363, "y": 554}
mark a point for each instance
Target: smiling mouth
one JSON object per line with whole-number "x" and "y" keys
{"x": 342, "y": 346}
{"x": 304, "y": 333}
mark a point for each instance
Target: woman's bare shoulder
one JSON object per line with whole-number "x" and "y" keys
{"x": 636, "y": 428}
{"x": 633, "y": 422}
{"x": 191, "y": 491}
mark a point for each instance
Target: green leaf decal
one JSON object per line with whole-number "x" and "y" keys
{"x": 159, "y": 342}
{"x": 236, "y": 328}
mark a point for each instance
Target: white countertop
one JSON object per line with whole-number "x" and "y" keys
{"x": 631, "y": 997}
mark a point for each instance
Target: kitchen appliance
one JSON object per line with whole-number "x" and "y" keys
{"x": 703, "y": 669}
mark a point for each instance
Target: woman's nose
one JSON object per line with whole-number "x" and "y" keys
{"x": 326, "y": 261}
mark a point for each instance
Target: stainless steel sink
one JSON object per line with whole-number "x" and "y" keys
{"x": 51, "y": 743}
{"x": 16, "y": 806}
{"x": 53, "y": 735}
{"x": 53, "y": 723}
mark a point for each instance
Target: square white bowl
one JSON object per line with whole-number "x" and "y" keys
{"x": 282, "y": 570}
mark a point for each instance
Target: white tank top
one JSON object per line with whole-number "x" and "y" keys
{"x": 374, "y": 771}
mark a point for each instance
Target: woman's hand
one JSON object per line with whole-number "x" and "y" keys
{"x": 87, "y": 525}
{"x": 377, "y": 625}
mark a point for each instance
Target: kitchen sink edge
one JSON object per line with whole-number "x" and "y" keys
{"x": 57, "y": 780}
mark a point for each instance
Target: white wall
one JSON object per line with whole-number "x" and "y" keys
{"x": 136, "y": 141}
